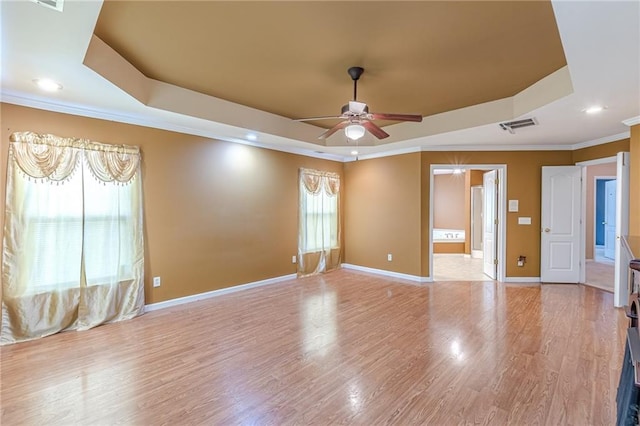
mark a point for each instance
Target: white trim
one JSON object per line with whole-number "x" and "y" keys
{"x": 382, "y": 154}
{"x": 605, "y": 160}
{"x": 529, "y": 280}
{"x": 632, "y": 121}
{"x": 388, "y": 273}
{"x": 487, "y": 147}
{"x": 601, "y": 141}
{"x": 214, "y": 293}
{"x": 621, "y": 269}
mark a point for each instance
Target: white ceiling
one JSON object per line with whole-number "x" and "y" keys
{"x": 601, "y": 41}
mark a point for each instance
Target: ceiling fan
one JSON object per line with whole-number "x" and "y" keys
{"x": 356, "y": 116}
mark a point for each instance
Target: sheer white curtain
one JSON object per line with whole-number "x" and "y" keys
{"x": 319, "y": 222}
{"x": 73, "y": 253}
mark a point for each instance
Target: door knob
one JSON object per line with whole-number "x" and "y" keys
{"x": 604, "y": 223}
{"x": 547, "y": 230}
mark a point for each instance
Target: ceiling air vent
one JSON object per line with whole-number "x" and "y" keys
{"x": 511, "y": 126}
{"x": 51, "y": 4}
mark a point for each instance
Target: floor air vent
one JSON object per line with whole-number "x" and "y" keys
{"x": 511, "y": 126}
{"x": 51, "y": 4}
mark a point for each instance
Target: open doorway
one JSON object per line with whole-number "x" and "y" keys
{"x": 600, "y": 225}
{"x": 466, "y": 225}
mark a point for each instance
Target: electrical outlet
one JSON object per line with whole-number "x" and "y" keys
{"x": 389, "y": 257}
{"x": 156, "y": 281}
{"x": 293, "y": 259}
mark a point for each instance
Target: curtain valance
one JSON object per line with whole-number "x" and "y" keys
{"x": 312, "y": 180}
{"x": 55, "y": 158}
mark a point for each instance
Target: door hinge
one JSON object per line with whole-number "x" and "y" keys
{"x": 495, "y": 261}
{"x": 497, "y": 181}
{"x": 495, "y": 221}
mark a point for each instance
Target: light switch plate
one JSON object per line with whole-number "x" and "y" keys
{"x": 524, "y": 221}
{"x": 513, "y": 205}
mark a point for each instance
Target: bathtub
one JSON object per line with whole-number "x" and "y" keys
{"x": 448, "y": 235}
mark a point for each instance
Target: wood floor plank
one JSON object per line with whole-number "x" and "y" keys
{"x": 345, "y": 347}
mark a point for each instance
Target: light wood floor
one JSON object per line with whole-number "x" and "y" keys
{"x": 457, "y": 267}
{"x": 345, "y": 347}
{"x": 600, "y": 275}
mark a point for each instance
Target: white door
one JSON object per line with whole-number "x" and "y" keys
{"x": 490, "y": 224}
{"x": 560, "y": 220}
{"x": 610, "y": 219}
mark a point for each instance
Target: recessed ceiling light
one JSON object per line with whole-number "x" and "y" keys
{"x": 354, "y": 152}
{"x": 252, "y": 136}
{"x": 594, "y": 109}
{"x": 47, "y": 84}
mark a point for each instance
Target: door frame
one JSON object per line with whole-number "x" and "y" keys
{"x": 501, "y": 212}
{"x": 622, "y": 202}
{"x": 615, "y": 214}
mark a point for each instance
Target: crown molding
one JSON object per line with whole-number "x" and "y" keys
{"x": 601, "y": 141}
{"x": 632, "y": 121}
{"x": 104, "y": 114}
{"x": 498, "y": 148}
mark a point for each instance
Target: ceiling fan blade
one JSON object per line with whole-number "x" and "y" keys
{"x": 375, "y": 130}
{"x": 397, "y": 117}
{"x": 334, "y": 129}
{"x": 357, "y": 107}
{"x": 326, "y": 117}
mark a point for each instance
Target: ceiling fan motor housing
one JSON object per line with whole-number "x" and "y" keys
{"x": 346, "y": 111}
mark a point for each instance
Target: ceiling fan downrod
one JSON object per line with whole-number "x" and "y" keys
{"x": 355, "y": 73}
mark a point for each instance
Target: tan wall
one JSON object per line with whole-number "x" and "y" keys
{"x": 523, "y": 183}
{"x": 600, "y": 151}
{"x": 449, "y": 201}
{"x": 634, "y": 181}
{"x": 215, "y": 209}
{"x": 602, "y": 170}
{"x": 382, "y": 213}
{"x": 217, "y": 214}
{"x": 450, "y": 248}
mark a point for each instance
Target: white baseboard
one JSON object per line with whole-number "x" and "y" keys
{"x": 522, "y": 280}
{"x": 214, "y": 293}
{"x": 388, "y": 273}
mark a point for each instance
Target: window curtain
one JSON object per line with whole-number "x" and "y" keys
{"x": 319, "y": 222}
{"x": 73, "y": 253}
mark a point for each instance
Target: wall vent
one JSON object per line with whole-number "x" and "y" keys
{"x": 51, "y": 4}
{"x": 511, "y": 126}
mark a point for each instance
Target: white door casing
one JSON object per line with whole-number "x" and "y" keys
{"x": 490, "y": 223}
{"x": 621, "y": 292}
{"x": 560, "y": 221}
{"x": 610, "y": 219}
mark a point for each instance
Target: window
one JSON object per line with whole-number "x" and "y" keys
{"x": 73, "y": 256}
{"x": 321, "y": 221}
{"x": 61, "y": 222}
{"x": 319, "y": 217}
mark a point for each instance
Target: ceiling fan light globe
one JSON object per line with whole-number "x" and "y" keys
{"x": 354, "y": 131}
